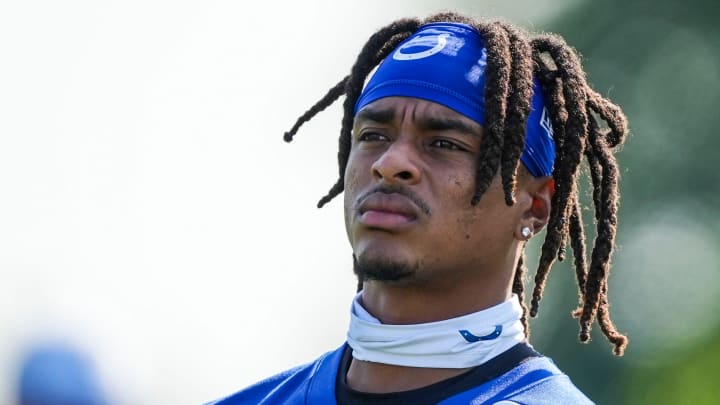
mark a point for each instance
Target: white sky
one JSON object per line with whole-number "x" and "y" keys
{"x": 149, "y": 209}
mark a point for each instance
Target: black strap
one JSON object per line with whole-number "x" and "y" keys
{"x": 433, "y": 393}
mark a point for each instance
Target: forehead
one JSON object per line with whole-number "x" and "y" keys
{"x": 394, "y": 109}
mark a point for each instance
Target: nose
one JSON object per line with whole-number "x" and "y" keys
{"x": 398, "y": 164}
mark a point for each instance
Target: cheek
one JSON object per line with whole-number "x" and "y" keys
{"x": 456, "y": 197}
{"x": 353, "y": 172}
{"x": 351, "y": 179}
{"x": 470, "y": 225}
{"x": 483, "y": 223}
{"x": 459, "y": 187}
{"x": 350, "y": 186}
{"x": 461, "y": 217}
{"x": 353, "y": 186}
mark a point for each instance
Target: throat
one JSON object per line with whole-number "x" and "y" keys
{"x": 403, "y": 304}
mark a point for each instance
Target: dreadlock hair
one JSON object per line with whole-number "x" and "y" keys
{"x": 514, "y": 57}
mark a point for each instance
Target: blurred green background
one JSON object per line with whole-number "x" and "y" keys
{"x": 660, "y": 61}
{"x": 140, "y": 218}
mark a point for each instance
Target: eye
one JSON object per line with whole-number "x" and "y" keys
{"x": 445, "y": 144}
{"x": 371, "y": 137}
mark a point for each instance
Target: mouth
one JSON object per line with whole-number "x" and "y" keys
{"x": 387, "y": 211}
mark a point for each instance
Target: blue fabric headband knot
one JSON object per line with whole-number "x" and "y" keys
{"x": 445, "y": 63}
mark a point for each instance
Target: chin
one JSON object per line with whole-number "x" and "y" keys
{"x": 383, "y": 268}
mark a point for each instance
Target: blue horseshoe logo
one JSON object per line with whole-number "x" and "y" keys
{"x": 472, "y": 338}
{"x": 441, "y": 42}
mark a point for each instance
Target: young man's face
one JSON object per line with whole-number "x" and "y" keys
{"x": 408, "y": 185}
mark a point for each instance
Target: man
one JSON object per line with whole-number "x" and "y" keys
{"x": 438, "y": 210}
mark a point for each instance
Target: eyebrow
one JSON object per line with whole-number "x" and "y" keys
{"x": 381, "y": 116}
{"x": 449, "y": 124}
{"x": 433, "y": 123}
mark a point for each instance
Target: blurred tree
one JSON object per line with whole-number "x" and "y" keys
{"x": 691, "y": 379}
{"x": 660, "y": 61}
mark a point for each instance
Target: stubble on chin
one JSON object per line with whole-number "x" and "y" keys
{"x": 381, "y": 269}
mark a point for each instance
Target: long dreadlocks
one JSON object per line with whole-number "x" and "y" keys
{"x": 513, "y": 59}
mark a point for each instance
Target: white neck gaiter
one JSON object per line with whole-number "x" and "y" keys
{"x": 462, "y": 342}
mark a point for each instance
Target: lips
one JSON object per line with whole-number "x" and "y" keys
{"x": 387, "y": 211}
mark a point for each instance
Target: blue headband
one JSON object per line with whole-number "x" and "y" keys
{"x": 445, "y": 63}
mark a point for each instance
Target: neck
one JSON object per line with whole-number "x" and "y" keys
{"x": 399, "y": 304}
{"x": 374, "y": 370}
{"x": 407, "y": 306}
{"x": 440, "y": 294}
{"x": 408, "y": 303}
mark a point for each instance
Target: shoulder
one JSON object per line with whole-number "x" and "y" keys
{"x": 544, "y": 383}
{"x": 289, "y": 387}
{"x": 290, "y": 383}
{"x": 534, "y": 382}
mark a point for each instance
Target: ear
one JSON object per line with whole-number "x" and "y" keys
{"x": 537, "y": 214}
{"x": 541, "y": 203}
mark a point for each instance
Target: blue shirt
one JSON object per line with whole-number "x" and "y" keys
{"x": 515, "y": 377}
